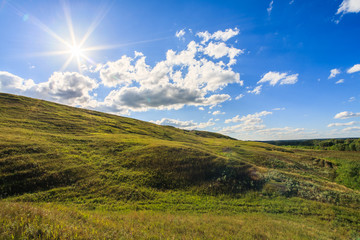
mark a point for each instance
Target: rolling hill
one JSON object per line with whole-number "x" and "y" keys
{"x": 70, "y": 173}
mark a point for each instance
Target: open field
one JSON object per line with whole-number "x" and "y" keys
{"x": 68, "y": 173}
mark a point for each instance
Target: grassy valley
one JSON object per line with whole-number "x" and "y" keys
{"x": 70, "y": 173}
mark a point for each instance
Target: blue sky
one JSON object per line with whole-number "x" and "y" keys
{"x": 261, "y": 70}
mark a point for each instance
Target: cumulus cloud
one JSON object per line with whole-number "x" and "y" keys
{"x": 188, "y": 125}
{"x": 334, "y": 72}
{"x": 252, "y": 127}
{"x": 340, "y": 81}
{"x": 346, "y": 114}
{"x": 242, "y": 127}
{"x": 180, "y": 34}
{"x": 349, "y": 6}
{"x": 343, "y": 124}
{"x": 123, "y": 71}
{"x": 280, "y": 132}
{"x": 354, "y": 69}
{"x": 187, "y": 77}
{"x": 217, "y": 113}
{"x": 165, "y": 97}
{"x": 351, "y": 129}
{"x": 11, "y": 83}
{"x": 69, "y": 88}
{"x": 239, "y": 96}
{"x": 256, "y": 90}
{"x": 219, "y": 50}
{"x": 248, "y": 123}
{"x": 282, "y": 78}
{"x": 219, "y": 35}
{"x": 248, "y": 118}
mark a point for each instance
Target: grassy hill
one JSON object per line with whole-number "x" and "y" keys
{"x": 69, "y": 173}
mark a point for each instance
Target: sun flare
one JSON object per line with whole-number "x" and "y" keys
{"x": 76, "y": 51}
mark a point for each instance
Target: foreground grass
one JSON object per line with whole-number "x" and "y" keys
{"x": 50, "y": 221}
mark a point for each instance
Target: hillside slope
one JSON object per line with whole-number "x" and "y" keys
{"x": 92, "y": 160}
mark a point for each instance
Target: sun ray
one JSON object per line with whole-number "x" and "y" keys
{"x": 46, "y": 29}
{"x": 88, "y": 59}
{"x": 75, "y": 50}
{"x": 66, "y": 64}
{"x": 107, "y": 47}
{"x": 32, "y": 19}
{"x": 79, "y": 63}
{"x": 50, "y": 53}
{"x": 68, "y": 19}
{"x": 94, "y": 24}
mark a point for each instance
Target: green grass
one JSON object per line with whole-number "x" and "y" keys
{"x": 49, "y": 221}
{"x": 69, "y": 173}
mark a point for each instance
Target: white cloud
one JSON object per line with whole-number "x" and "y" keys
{"x": 343, "y": 124}
{"x": 183, "y": 78}
{"x": 242, "y": 127}
{"x": 291, "y": 2}
{"x": 188, "y": 125}
{"x": 201, "y": 109}
{"x": 217, "y": 113}
{"x": 279, "y": 109}
{"x": 340, "y": 81}
{"x": 282, "y": 78}
{"x": 123, "y": 71}
{"x": 251, "y": 127}
{"x": 11, "y": 83}
{"x": 354, "y": 69}
{"x": 180, "y": 34}
{"x": 352, "y": 99}
{"x": 165, "y": 97}
{"x": 269, "y": 9}
{"x": 249, "y": 123}
{"x": 351, "y": 129}
{"x": 334, "y": 72}
{"x": 349, "y": 6}
{"x": 346, "y": 114}
{"x": 256, "y": 90}
{"x": 239, "y": 96}
{"x": 219, "y": 50}
{"x": 69, "y": 88}
{"x": 248, "y": 118}
{"x": 219, "y": 35}
{"x": 280, "y": 132}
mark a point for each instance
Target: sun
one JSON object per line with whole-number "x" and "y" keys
{"x": 76, "y": 51}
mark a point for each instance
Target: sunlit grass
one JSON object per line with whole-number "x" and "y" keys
{"x": 107, "y": 176}
{"x": 24, "y": 220}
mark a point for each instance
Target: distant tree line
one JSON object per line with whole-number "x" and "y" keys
{"x": 349, "y": 144}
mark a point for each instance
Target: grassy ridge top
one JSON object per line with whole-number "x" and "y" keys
{"x": 64, "y": 155}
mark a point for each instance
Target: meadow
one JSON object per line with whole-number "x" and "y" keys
{"x": 70, "y": 173}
